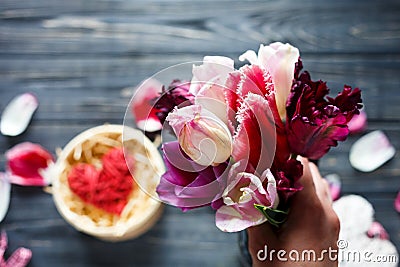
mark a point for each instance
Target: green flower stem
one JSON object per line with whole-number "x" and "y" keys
{"x": 274, "y": 216}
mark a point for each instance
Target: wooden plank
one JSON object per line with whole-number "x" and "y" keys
{"x": 194, "y": 27}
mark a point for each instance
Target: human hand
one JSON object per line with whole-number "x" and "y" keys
{"x": 312, "y": 226}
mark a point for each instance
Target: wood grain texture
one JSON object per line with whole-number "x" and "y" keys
{"x": 80, "y": 56}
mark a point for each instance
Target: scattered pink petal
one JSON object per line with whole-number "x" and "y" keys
{"x": 142, "y": 106}
{"x": 397, "y": 202}
{"x": 358, "y": 123}
{"x": 376, "y": 230}
{"x": 335, "y": 185}
{"x": 5, "y": 189}
{"x": 25, "y": 163}
{"x": 371, "y": 151}
{"x": 17, "y": 114}
{"x": 3, "y": 246}
{"x": 20, "y": 258}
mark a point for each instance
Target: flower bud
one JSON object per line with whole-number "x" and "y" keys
{"x": 202, "y": 136}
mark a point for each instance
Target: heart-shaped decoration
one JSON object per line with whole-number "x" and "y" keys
{"x": 107, "y": 189}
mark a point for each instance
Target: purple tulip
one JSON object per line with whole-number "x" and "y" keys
{"x": 188, "y": 185}
{"x": 314, "y": 124}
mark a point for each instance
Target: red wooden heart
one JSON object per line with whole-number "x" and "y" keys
{"x": 108, "y": 188}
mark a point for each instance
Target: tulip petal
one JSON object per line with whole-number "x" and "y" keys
{"x": 397, "y": 202}
{"x": 142, "y": 105}
{"x": 314, "y": 141}
{"x": 253, "y": 80}
{"x": 279, "y": 60}
{"x": 212, "y": 97}
{"x": 315, "y": 122}
{"x": 25, "y": 163}
{"x": 250, "y": 56}
{"x": 5, "y": 189}
{"x": 228, "y": 219}
{"x": 244, "y": 190}
{"x": 17, "y": 114}
{"x": 214, "y": 68}
{"x": 255, "y": 140}
{"x": 371, "y": 151}
{"x": 175, "y": 95}
{"x": 231, "y": 97}
{"x": 187, "y": 184}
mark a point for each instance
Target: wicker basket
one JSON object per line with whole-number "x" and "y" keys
{"x": 143, "y": 208}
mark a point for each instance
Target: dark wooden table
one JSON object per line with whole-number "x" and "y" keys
{"x": 77, "y": 56}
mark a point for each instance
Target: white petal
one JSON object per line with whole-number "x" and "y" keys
{"x": 17, "y": 114}
{"x": 5, "y": 189}
{"x": 250, "y": 56}
{"x": 355, "y": 214}
{"x": 371, "y": 151}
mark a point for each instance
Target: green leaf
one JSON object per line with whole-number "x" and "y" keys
{"x": 274, "y": 216}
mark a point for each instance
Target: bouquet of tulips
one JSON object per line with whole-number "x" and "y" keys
{"x": 239, "y": 132}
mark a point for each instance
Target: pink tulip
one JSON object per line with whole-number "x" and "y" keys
{"x": 243, "y": 191}
{"x": 188, "y": 185}
{"x": 25, "y": 162}
{"x": 279, "y": 61}
{"x": 201, "y": 135}
{"x": 255, "y": 140}
{"x": 208, "y": 84}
